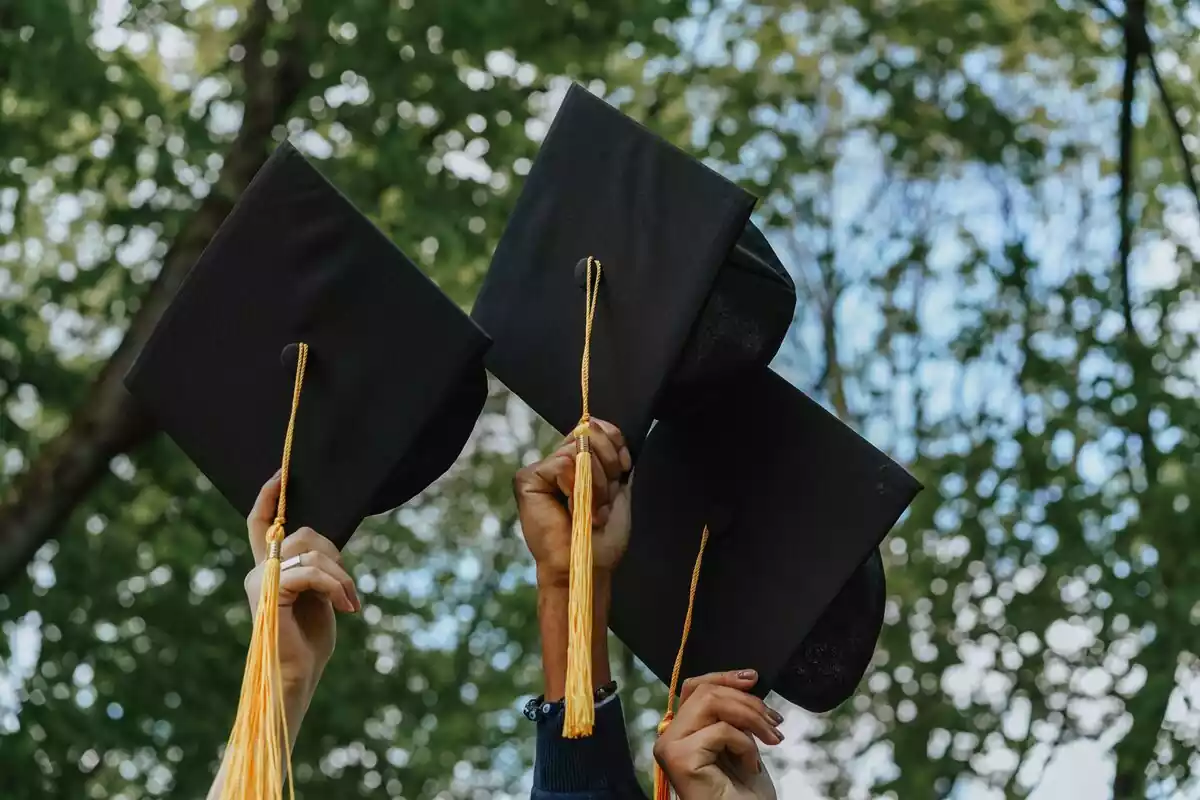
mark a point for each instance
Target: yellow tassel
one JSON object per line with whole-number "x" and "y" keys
{"x": 580, "y": 711}
{"x": 662, "y": 787}
{"x": 259, "y": 746}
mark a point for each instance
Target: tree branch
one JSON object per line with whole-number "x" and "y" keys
{"x": 107, "y": 423}
{"x": 1136, "y": 751}
{"x": 1189, "y": 166}
{"x": 1100, "y": 4}
{"x": 1128, "y": 84}
{"x": 1137, "y": 28}
{"x": 1135, "y": 349}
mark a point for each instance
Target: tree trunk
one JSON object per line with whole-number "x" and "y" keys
{"x": 107, "y": 422}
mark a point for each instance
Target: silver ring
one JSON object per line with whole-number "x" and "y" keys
{"x": 294, "y": 561}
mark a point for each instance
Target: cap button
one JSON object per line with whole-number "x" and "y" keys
{"x": 581, "y": 271}
{"x": 289, "y": 356}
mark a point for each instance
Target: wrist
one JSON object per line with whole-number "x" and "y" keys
{"x": 553, "y": 612}
{"x": 298, "y": 693}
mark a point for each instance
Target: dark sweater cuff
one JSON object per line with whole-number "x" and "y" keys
{"x": 600, "y": 763}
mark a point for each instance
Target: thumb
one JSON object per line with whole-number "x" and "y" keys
{"x": 262, "y": 515}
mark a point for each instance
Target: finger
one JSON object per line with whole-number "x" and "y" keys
{"x": 618, "y": 441}
{"x": 604, "y": 447}
{"x": 311, "y": 578}
{"x": 307, "y": 539}
{"x": 562, "y": 469}
{"x": 743, "y": 680}
{"x": 722, "y": 740}
{"x": 262, "y": 514}
{"x": 559, "y": 471}
{"x": 322, "y": 561}
{"x": 710, "y": 704}
{"x": 600, "y": 483}
{"x": 552, "y": 475}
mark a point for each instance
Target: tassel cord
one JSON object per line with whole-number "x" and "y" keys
{"x": 662, "y": 787}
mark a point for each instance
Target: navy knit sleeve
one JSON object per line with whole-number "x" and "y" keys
{"x": 598, "y": 767}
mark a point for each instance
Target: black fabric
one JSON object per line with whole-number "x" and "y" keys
{"x": 795, "y": 501}
{"x": 833, "y": 658}
{"x": 395, "y": 378}
{"x": 690, "y": 290}
{"x": 598, "y": 766}
{"x": 742, "y": 324}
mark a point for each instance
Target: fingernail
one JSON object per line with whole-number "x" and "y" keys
{"x": 747, "y": 675}
{"x": 626, "y": 458}
{"x": 774, "y": 716}
{"x": 778, "y": 735}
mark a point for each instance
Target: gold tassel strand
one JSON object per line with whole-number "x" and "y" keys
{"x": 580, "y": 711}
{"x": 259, "y": 745}
{"x": 662, "y": 787}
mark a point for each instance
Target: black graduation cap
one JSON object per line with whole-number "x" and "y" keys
{"x": 791, "y": 582}
{"x": 394, "y": 380}
{"x": 691, "y": 292}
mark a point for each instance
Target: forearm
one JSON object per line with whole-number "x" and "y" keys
{"x": 555, "y": 630}
{"x": 296, "y": 702}
{"x": 593, "y": 767}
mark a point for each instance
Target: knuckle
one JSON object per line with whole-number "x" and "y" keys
{"x": 669, "y": 753}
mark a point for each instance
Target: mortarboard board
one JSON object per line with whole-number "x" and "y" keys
{"x": 690, "y": 292}
{"x": 394, "y": 380}
{"x": 791, "y": 583}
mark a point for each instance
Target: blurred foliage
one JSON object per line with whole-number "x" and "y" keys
{"x": 940, "y": 176}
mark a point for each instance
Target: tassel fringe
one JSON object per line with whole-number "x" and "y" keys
{"x": 580, "y": 712}
{"x": 662, "y": 787}
{"x": 260, "y": 733}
